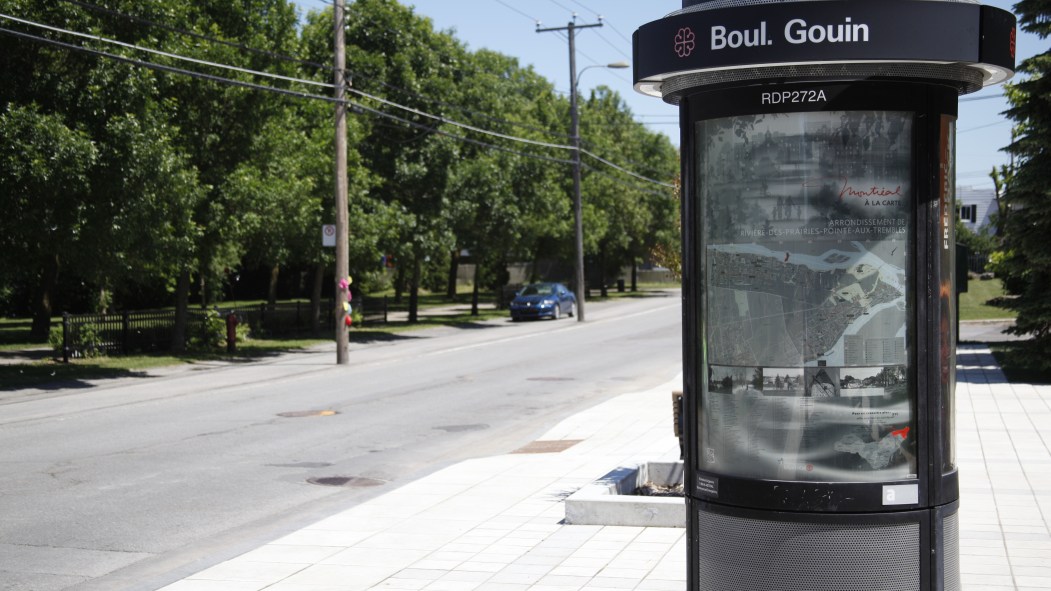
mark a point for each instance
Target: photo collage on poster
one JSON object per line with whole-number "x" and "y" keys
{"x": 805, "y": 223}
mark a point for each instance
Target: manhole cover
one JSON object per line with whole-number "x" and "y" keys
{"x": 295, "y": 414}
{"x": 462, "y": 428}
{"x": 549, "y": 379}
{"x": 552, "y": 446}
{"x": 347, "y": 481}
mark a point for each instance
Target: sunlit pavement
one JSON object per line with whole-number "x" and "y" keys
{"x": 494, "y": 524}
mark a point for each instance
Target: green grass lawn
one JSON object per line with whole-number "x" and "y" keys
{"x": 14, "y": 338}
{"x": 1017, "y": 359}
{"x": 974, "y": 303}
{"x": 14, "y": 334}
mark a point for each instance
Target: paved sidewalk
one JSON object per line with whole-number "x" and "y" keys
{"x": 487, "y": 524}
{"x": 493, "y": 524}
{"x": 988, "y": 331}
{"x": 1003, "y": 439}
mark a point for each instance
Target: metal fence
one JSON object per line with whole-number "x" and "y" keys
{"x": 152, "y": 331}
{"x": 146, "y": 331}
{"x": 977, "y": 263}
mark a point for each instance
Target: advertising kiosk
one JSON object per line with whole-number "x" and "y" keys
{"x": 818, "y": 160}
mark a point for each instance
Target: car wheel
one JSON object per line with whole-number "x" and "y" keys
{"x": 558, "y": 312}
{"x": 573, "y": 309}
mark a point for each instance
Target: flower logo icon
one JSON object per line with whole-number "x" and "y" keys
{"x": 685, "y": 42}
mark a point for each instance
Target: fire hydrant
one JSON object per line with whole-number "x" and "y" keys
{"x": 231, "y": 332}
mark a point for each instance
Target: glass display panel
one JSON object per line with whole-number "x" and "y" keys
{"x": 946, "y": 290}
{"x": 805, "y": 242}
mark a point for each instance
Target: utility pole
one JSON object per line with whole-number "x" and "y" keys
{"x": 342, "y": 248}
{"x": 574, "y": 137}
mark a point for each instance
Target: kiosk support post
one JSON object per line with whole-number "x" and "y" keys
{"x": 818, "y": 169}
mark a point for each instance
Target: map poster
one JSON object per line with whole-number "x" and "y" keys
{"x": 805, "y": 226}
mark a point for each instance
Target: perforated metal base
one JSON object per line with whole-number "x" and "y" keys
{"x": 887, "y": 552}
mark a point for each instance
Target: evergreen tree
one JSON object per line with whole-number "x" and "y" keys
{"x": 1024, "y": 261}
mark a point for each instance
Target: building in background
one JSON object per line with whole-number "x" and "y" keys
{"x": 975, "y": 206}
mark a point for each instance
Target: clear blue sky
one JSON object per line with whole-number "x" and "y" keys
{"x": 508, "y": 26}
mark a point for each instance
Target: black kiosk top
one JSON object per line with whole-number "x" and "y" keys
{"x": 728, "y": 42}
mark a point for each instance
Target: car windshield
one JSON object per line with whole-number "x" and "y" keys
{"x": 539, "y": 290}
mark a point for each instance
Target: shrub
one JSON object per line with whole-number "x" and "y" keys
{"x": 83, "y": 340}
{"x": 211, "y": 333}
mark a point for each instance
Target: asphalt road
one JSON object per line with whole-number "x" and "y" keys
{"x": 134, "y": 483}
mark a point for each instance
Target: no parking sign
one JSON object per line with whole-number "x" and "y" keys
{"x": 328, "y": 235}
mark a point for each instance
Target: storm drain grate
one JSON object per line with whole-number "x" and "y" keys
{"x": 552, "y": 446}
{"x": 347, "y": 481}
{"x": 296, "y": 414}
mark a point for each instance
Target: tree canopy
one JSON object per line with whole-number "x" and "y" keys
{"x": 134, "y": 177}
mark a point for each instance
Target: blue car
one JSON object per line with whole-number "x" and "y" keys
{"x": 538, "y": 300}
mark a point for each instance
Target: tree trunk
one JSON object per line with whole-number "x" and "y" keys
{"x": 271, "y": 294}
{"x": 602, "y": 272}
{"x": 474, "y": 291}
{"x": 102, "y": 304}
{"x": 182, "y": 305}
{"x": 634, "y": 274}
{"x": 414, "y": 288}
{"x": 399, "y": 283}
{"x": 315, "y": 298}
{"x": 204, "y": 287}
{"x": 42, "y": 315}
{"x": 454, "y": 268}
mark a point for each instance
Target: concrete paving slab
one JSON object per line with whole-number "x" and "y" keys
{"x": 496, "y": 523}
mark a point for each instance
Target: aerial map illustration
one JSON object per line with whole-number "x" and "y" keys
{"x": 806, "y": 225}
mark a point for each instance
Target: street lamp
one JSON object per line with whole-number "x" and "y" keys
{"x": 574, "y": 133}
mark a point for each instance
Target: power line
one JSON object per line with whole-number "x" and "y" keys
{"x": 241, "y": 46}
{"x": 220, "y": 79}
{"x": 505, "y": 136}
{"x": 164, "y": 53}
{"x": 626, "y": 171}
{"x": 363, "y": 76}
{"x": 163, "y": 68}
{"x": 617, "y": 31}
{"x": 624, "y": 183}
{"x": 458, "y": 124}
{"x": 615, "y": 47}
{"x": 282, "y": 57}
{"x": 982, "y": 126}
{"x": 232, "y": 82}
{"x": 467, "y": 110}
{"x": 508, "y": 6}
{"x": 564, "y": 7}
{"x": 597, "y": 14}
{"x": 437, "y": 131}
{"x": 981, "y": 98}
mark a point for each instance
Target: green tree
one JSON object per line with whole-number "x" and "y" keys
{"x": 147, "y": 224}
{"x": 503, "y": 201}
{"x": 399, "y": 56}
{"x": 1024, "y": 261}
{"x": 624, "y": 217}
{"x": 44, "y": 183}
{"x": 88, "y": 96}
{"x": 220, "y": 125}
